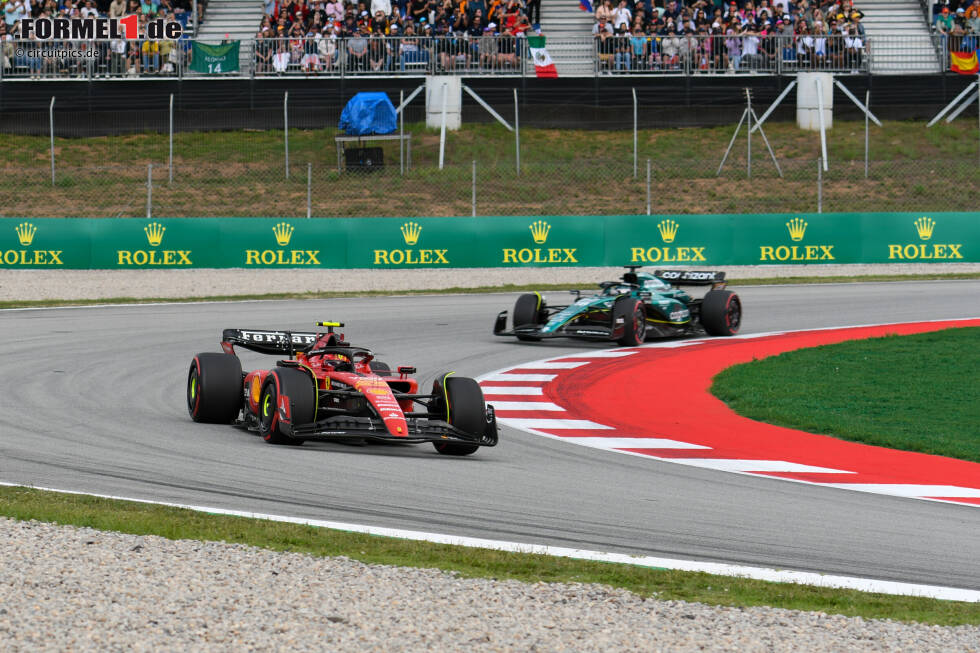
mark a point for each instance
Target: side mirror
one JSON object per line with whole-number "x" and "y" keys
{"x": 405, "y": 369}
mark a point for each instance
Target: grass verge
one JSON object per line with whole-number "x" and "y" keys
{"x": 914, "y": 392}
{"x": 174, "y": 523}
{"x": 43, "y": 303}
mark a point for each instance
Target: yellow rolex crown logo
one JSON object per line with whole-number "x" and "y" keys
{"x": 797, "y": 227}
{"x": 154, "y": 233}
{"x": 539, "y": 231}
{"x": 283, "y": 232}
{"x": 411, "y": 232}
{"x": 25, "y": 232}
{"x": 668, "y": 230}
{"x": 924, "y": 227}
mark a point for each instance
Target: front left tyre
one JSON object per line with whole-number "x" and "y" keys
{"x": 527, "y": 312}
{"x": 460, "y": 402}
{"x": 298, "y": 388}
{"x": 214, "y": 388}
{"x": 631, "y": 311}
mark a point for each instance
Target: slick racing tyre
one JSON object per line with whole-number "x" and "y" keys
{"x": 460, "y": 402}
{"x": 299, "y": 388}
{"x": 721, "y": 313}
{"x": 380, "y": 368}
{"x": 527, "y": 312}
{"x": 214, "y": 388}
{"x": 634, "y": 319}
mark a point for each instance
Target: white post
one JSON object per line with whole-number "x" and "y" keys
{"x": 823, "y": 126}
{"x": 285, "y": 127}
{"x": 634, "y": 134}
{"x": 442, "y": 132}
{"x": 401, "y": 132}
{"x": 194, "y": 17}
{"x": 309, "y": 189}
{"x": 474, "y": 188}
{"x": 170, "y": 178}
{"x": 149, "y": 190}
{"x": 867, "y": 105}
{"x": 51, "y": 127}
{"x": 517, "y": 133}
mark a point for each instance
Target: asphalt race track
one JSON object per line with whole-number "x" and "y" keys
{"x": 94, "y": 401}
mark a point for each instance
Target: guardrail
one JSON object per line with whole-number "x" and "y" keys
{"x": 416, "y": 56}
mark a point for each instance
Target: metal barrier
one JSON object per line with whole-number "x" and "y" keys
{"x": 411, "y": 55}
{"x": 390, "y": 56}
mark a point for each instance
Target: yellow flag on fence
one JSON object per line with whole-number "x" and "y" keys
{"x": 964, "y": 63}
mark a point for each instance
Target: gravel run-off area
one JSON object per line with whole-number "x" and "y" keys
{"x": 76, "y": 589}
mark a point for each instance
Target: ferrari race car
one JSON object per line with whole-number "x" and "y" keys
{"x": 637, "y": 306}
{"x": 328, "y": 389}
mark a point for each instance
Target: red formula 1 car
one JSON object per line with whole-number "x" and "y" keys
{"x": 329, "y": 389}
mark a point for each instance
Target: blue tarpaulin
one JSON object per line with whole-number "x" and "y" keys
{"x": 369, "y": 113}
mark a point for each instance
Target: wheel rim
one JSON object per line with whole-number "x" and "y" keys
{"x": 192, "y": 391}
{"x": 639, "y": 325}
{"x": 734, "y": 314}
{"x": 268, "y": 412}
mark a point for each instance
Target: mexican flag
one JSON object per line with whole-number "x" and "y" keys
{"x": 964, "y": 63}
{"x": 543, "y": 65}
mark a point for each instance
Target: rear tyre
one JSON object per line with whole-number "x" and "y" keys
{"x": 634, "y": 319}
{"x": 214, "y": 388}
{"x": 465, "y": 410}
{"x": 299, "y": 389}
{"x": 527, "y": 312}
{"x": 721, "y": 313}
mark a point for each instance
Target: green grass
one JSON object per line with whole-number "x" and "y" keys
{"x": 915, "y": 392}
{"x": 142, "y": 519}
{"x": 580, "y": 172}
{"x": 505, "y": 288}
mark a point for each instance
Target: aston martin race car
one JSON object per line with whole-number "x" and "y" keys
{"x": 631, "y": 309}
{"x": 329, "y": 389}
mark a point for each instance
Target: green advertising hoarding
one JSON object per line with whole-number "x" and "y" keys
{"x": 682, "y": 240}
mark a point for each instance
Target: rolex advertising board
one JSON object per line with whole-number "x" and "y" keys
{"x": 507, "y": 241}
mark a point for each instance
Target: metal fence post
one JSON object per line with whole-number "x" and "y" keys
{"x": 309, "y": 189}
{"x": 648, "y": 186}
{"x": 149, "y": 190}
{"x": 517, "y": 133}
{"x": 474, "y": 188}
{"x": 401, "y": 131}
{"x": 819, "y": 185}
{"x": 170, "y": 178}
{"x": 867, "y": 110}
{"x": 285, "y": 127}
{"x": 51, "y": 127}
{"x": 634, "y": 134}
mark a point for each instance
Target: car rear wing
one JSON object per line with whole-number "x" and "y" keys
{"x": 692, "y": 277}
{"x": 268, "y": 342}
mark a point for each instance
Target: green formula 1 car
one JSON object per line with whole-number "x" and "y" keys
{"x": 638, "y": 306}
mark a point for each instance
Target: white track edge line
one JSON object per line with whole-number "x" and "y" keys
{"x": 722, "y": 569}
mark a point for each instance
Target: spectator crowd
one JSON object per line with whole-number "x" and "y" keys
{"x": 315, "y": 36}
{"x": 726, "y": 36}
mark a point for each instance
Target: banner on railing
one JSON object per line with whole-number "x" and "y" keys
{"x": 553, "y": 241}
{"x": 215, "y": 59}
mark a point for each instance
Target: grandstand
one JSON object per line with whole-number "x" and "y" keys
{"x": 896, "y": 39}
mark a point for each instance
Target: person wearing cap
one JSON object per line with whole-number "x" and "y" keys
{"x": 944, "y": 21}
